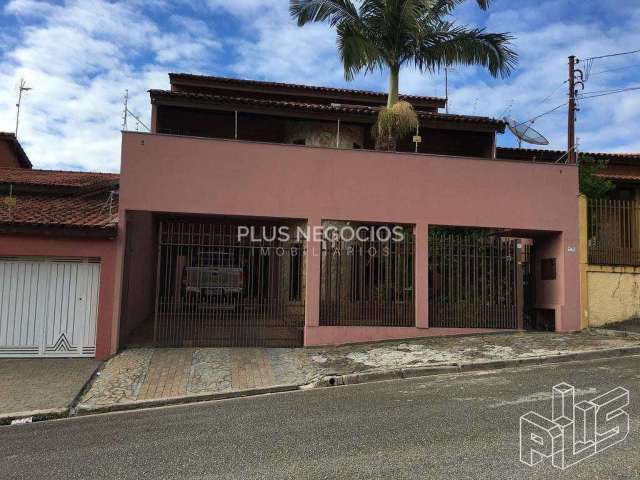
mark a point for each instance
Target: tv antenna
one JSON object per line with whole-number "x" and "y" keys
{"x": 524, "y": 132}
{"x": 126, "y": 112}
{"x": 22, "y": 88}
{"x": 446, "y": 87}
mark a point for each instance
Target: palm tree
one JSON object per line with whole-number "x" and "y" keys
{"x": 388, "y": 34}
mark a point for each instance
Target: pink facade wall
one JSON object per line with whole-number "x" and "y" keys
{"x": 139, "y": 281}
{"x": 163, "y": 173}
{"x": 104, "y": 249}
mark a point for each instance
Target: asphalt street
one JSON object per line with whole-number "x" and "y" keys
{"x": 450, "y": 426}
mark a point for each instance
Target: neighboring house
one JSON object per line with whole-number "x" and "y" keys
{"x": 225, "y": 154}
{"x": 623, "y": 169}
{"x": 57, "y": 263}
{"x": 11, "y": 153}
{"x": 610, "y": 237}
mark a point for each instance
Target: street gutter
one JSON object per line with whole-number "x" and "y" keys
{"x": 324, "y": 382}
{"x": 363, "y": 377}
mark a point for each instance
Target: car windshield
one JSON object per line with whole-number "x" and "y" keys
{"x": 213, "y": 259}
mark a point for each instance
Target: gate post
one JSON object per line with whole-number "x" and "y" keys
{"x": 583, "y": 251}
{"x": 421, "y": 269}
{"x": 312, "y": 276}
{"x": 519, "y": 285}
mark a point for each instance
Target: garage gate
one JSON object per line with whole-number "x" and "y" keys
{"x": 48, "y": 307}
{"x": 217, "y": 288}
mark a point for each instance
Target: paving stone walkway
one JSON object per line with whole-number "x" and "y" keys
{"x": 147, "y": 373}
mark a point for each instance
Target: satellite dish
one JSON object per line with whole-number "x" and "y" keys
{"x": 524, "y": 132}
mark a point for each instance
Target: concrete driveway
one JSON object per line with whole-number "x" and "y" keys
{"x": 28, "y": 385}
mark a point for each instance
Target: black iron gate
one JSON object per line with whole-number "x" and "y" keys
{"x": 478, "y": 282}
{"x": 218, "y": 287}
{"x": 368, "y": 282}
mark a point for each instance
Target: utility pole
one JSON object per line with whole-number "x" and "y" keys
{"x": 23, "y": 88}
{"x": 571, "y": 127}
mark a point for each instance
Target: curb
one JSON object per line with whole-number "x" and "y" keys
{"x": 416, "y": 372}
{"x": 326, "y": 381}
{"x": 614, "y": 333}
{"x": 35, "y": 415}
{"x": 83, "y": 409}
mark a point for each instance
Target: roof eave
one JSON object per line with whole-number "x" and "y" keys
{"x": 175, "y": 98}
{"x": 64, "y": 230}
{"x": 188, "y": 79}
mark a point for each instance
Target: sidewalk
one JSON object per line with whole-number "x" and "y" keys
{"x": 47, "y": 386}
{"x": 149, "y": 374}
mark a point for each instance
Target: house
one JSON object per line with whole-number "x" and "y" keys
{"x": 221, "y": 202}
{"x": 260, "y": 214}
{"x": 11, "y": 153}
{"x": 57, "y": 262}
{"x": 622, "y": 169}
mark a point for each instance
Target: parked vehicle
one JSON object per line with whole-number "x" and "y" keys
{"x": 213, "y": 273}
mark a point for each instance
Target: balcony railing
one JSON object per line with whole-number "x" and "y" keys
{"x": 614, "y": 232}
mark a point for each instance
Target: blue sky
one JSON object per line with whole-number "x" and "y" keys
{"x": 80, "y": 56}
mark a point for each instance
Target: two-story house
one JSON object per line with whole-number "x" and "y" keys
{"x": 229, "y": 162}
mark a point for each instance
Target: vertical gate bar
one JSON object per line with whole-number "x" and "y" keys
{"x": 157, "y": 306}
{"x": 519, "y": 286}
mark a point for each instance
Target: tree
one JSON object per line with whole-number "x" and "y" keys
{"x": 591, "y": 184}
{"x": 389, "y": 34}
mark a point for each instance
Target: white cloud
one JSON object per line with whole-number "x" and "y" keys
{"x": 80, "y": 56}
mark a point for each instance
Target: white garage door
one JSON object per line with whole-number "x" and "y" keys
{"x": 48, "y": 307}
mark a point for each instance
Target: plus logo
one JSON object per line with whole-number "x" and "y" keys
{"x": 576, "y": 431}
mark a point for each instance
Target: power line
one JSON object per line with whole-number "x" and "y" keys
{"x": 610, "y": 92}
{"x": 545, "y": 113}
{"x": 554, "y": 92}
{"x": 600, "y": 72}
{"x": 610, "y": 55}
{"x": 540, "y": 102}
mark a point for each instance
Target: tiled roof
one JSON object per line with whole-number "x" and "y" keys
{"x": 621, "y": 173}
{"x": 74, "y": 181}
{"x": 620, "y": 177}
{"x": 540, "y": 153}
{"x": 77, "y": 200}
{"x": 313, "y": 107}
{"x": 292, "y": 86}
{"x": 93, "y": 211}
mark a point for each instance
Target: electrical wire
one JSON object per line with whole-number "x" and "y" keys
{"x": 600, "y": 72}
{"x": 606, "y": 93}
{"x": 531, "y": 120}
{"x": 541, "y": 102}
{"x": 610, "y": 55}
{"x": 609, "y": 90}
{"x": 554, "y": 92}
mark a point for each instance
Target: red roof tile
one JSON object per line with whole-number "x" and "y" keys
{"x": 541, "y": 154}
{"x": 88, "y": 211}
{"x": 619, "y": 177}
{"x": 337, "y": 108}
{"x": 18, "y": 176}
{"x": 621, "y": 173}
{"x": 78, "y": 200}
{"x": 293, "y": 86}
